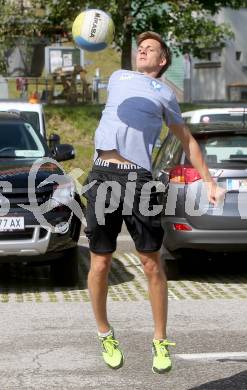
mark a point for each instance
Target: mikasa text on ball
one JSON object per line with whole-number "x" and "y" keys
{"x": 93, "y": 30}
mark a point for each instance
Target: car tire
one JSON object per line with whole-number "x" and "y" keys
{"x": 170, "y": 263}
{"x": 172, "y": 269}
{"x": 193, "y": 260}
{"x": 64, "y": 271}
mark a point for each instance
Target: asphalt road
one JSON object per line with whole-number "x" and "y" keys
{"x": 48, "y": 332}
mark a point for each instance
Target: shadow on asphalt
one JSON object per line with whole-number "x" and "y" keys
{"x": 233, "y": 267}
{"x": 30, "y": 276}
{"x": 118, "y": 272}
{"x": 235, "y": 382}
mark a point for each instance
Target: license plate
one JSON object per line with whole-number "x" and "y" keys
{"x": 236, "y": 185}
{"x": 11, "y": 223}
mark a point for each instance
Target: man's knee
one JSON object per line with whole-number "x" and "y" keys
{"x": 151, "y": 263}
{"x": 100, "y": 264}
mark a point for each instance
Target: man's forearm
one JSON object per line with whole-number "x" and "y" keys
{"x": 192, "y": 150}
{"x": 194, "y": 154}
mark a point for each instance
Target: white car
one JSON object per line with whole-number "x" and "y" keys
{"x": 212, "y": 115}
{"x": 32, "y": 112}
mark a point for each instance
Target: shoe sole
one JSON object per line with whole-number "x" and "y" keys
{"x": 164, "y": 371}
{"x": 117, "y": 367}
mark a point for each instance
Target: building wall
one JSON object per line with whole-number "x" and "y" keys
{"x": 210, "y": 79}
{"x": 235, "y": 71}
{"x": 207, "y": 84}
{"x": 175, "y": 73}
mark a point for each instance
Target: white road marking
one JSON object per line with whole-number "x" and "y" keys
{"x": 124, "y": 237}
{"x": 212, "y": 355}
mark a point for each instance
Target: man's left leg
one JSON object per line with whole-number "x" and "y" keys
{"x": 157, "y": 287}
{"x": 158, "y": 294}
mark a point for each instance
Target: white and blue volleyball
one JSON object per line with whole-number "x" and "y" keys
{"x": 93, "y": 30}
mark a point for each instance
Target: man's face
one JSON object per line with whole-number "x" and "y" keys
{"x": 149, "y": 58}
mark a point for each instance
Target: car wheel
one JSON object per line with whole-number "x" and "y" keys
{"x": 172, "y": 269}
{"x": 64, "y": 271}
{"x": 170, "y": 264}
{"x": 193, "y": 261}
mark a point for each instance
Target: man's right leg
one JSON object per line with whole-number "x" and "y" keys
{"x": 102, "y": 243}
{"x": 98, "y": 288}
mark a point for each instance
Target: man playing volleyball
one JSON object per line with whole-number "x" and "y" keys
{"x": 131, "y": 123}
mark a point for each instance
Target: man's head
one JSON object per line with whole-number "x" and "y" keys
{"x": 153, "y": 55}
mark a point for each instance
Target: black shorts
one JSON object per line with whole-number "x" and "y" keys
{"x": 117, "y": 195}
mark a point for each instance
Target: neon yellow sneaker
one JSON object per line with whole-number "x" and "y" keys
{"x": 161, "y": 356}
{"x": 112, "y": 354}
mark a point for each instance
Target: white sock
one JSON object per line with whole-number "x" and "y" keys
{"x": 109, "y": 333}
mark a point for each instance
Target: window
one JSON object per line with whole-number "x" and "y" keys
{"x": 19, "y": 140}
{"x": 238, "y": 55}
{"x": 223, "y": 147}
{"x": 169, "y": 153}
{"x": 33, "y": 118}
{"x": 243, "y": 95}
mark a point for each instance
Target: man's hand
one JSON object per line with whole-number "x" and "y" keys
{"x": 215, "y": 193}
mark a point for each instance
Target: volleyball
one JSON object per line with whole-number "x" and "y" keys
{"x": 93, "y": 30}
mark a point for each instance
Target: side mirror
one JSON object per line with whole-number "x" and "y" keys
{"x": 63, "y": 152}
{"x": 53, "y": 140}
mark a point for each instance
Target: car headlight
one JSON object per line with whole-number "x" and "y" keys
{"x": 63, "y": 194}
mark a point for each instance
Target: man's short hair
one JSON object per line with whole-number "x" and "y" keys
{"x": 165, "y": 50}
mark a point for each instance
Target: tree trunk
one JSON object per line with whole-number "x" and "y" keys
{"x": 127, "y": 37}
{"x": 126, "y": 56}
{"x": 37, "y": 60}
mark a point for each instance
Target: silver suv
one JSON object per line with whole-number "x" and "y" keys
{"x": 192, "y": 226}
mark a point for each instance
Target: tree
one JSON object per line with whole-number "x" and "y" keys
{"x": 187, "y": 25}
{"x": 16, "y": 22}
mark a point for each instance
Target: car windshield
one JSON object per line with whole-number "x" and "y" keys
{"x": 221, "y": 148}
{"x": 30, "y": 116}
{"x": 19, "y": 139}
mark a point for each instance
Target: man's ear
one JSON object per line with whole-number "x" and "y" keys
{"x": 162, "y": 61}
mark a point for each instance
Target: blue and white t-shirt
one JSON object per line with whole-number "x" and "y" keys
{"x": 133, "y": 116}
